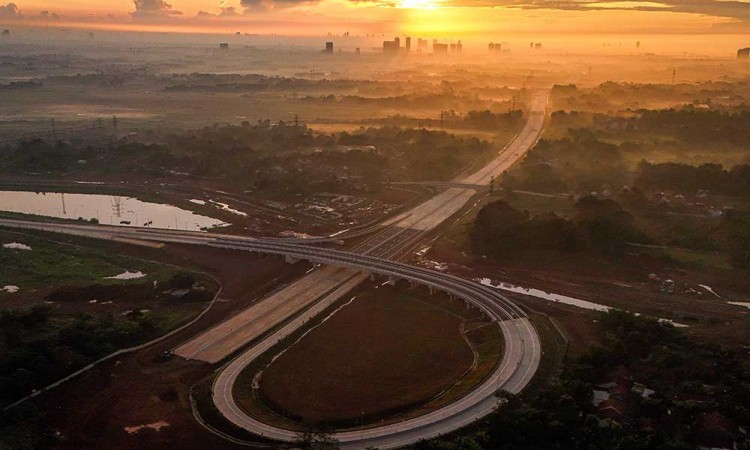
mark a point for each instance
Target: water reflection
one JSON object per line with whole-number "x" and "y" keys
{"x": 106, "y": 209}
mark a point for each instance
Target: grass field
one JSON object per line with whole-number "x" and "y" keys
{"x": 391, "y": 351}
{"x": 55, "y": 263}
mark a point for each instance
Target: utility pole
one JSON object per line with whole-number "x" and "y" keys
{"x": 54, "y": 130}
{"x": 674, "y": 74}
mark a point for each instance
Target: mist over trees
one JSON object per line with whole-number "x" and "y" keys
{"x": 600, "y": 225}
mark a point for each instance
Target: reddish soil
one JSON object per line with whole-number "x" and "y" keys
{"x": 384, "y": 352}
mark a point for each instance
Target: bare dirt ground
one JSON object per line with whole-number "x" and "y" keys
{"x": 390, "y": 350}
{"x": 93, "y": 410}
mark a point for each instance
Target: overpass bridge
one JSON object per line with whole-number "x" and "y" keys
{"x": 443, "y": 184}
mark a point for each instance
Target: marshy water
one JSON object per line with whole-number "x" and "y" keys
{"x": 107, "y": 209}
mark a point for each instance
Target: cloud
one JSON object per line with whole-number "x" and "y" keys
{"x": 262, "y": 5}
{"x": 734, "y": 9}
{"x": 229, "y": 11}
{"x": 153, "y": 9}
{"x": 9, "y": 11}
{"x": 49, "y": 15}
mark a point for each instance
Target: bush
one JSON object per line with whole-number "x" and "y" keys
{"x": 182, "y": 280}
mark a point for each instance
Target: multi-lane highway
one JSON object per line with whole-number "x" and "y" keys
{"x": 289, "y": 308}
{"x": 394, "y": 239}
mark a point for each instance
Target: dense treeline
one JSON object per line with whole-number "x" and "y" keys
{"x": 473, "y": 120}
{"x": 689, "y": 126}
{"x": 579, "y": 162}
{"x": 738, "y": 224}
{"x": 39, "y": 346}
{"x": 687, "y": 178}
{"x": 447, "y": 99}
{"x": 695, "y": 385}
{"x": 208, "y": 82}
{"x": 583, "y": 162}
{"x": 614, "y": 96}
{"x": 696, "y": 126}
{"x": 599, "y": 225}
{"x": 488, "y": 120}
{"x": 36, "y": 350}
{"x": 284, "y": 157}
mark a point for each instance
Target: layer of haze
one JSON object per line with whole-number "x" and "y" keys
{"x": 721, "y": 25}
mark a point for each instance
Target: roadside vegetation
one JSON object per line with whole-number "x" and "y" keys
{"x": 598, "y": 225}
{"x": 662, "y": 389}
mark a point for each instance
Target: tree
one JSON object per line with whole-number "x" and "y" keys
{"x": 607, "y": 225}
{"x": 316, "y": 440}
{"x": 738, "y": 223}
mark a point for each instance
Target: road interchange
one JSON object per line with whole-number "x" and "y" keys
{"x": 346, "y": 269}
{"x": 516, "y": 369}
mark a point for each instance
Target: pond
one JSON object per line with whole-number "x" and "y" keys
{"x": 107, "y": 209}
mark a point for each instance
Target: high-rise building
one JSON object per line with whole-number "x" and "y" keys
{"x": 452, "y": 47}
{"x": 459, "y": 47}
{"x": 422, "y": 45}
{"x": 438, "y": 48}
{"x": 392, "y": 47}
{"x": 408, "y": 44}
{"x": 224, "y": 46}
{"x": 329, "y": 47}
{"x": 743, "y": 53}
{"x": 6, "y": 32}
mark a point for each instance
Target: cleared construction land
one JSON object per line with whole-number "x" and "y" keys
{"x": 391, "y": 350}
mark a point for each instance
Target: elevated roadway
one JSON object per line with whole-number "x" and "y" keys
{"x": 520, "y": 361}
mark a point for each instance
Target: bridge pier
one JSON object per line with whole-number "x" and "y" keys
{"x": 392, "y": 281}
{"x": 290, "y": 259}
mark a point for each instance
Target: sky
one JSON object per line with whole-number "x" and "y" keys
{"x": 446, "y": 18}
